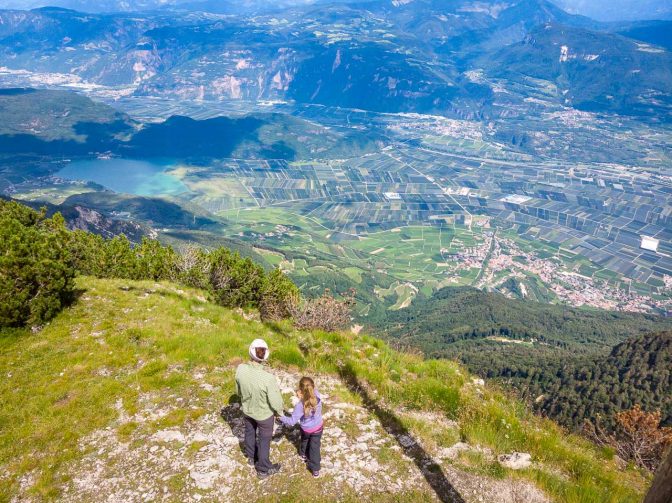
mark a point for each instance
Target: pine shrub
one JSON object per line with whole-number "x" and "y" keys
{"x": 235, "y": 281}
{"x": 36, "y": 271}
{"x": 39, "y": 259}
{"x": 279, "y": 297}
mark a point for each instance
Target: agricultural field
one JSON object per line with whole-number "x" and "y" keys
{"x": 426, "y": 202}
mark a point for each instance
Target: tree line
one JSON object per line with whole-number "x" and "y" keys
{"x": 40, "y": 258}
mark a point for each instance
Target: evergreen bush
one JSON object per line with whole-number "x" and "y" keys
{"x": 279, "y": 297}
{"x": 36, "y": 271}
{"x": 235, "y": 281}
{"x": 40, "y": 258}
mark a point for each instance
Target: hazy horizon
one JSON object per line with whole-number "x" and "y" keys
{"x": 601, "y": 10}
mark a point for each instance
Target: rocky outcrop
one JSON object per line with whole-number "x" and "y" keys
{"x": 515, "y": 460}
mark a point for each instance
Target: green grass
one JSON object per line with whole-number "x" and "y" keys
{"x": 409, "y": 254}
{"x": 416, "y": 254}
{"x": 123, "y": 340}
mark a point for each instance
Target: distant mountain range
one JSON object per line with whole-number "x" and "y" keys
{"x": 592, "y": 71}
{"x": 215, "y": 6}
{"x": 602, "y": 10}
{"x": 619, "y": 10}
{"x": 465, "y": 59}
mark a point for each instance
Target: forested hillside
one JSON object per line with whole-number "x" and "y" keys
{"x": 636, "y": 372}
{"x": 467, "y": 315}
{"x": 559, "y": 358}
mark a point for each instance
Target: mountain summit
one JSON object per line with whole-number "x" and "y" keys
{"x": 142, "y": 407}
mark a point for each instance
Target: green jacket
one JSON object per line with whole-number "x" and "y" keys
{"x": 258, "y": 390}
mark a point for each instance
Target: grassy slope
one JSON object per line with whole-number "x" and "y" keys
{"x": 123, "y": 341}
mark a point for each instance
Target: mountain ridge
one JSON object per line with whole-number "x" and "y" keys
{"x": 155, "y": 386}
{"x": 56, "y": 122}
{"x": 411, "y": 58}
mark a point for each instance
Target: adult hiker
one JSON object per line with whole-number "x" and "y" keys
{"x": 260, "y": 400}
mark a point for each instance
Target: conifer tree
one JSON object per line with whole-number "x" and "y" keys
{"x": 36, "y": 271}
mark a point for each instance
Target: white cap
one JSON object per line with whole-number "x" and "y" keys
{"x": 259, "y": 343}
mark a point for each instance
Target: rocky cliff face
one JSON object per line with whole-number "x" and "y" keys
{"x": 420, "y": 56}
{"x": 92, "y": 221}
{"x": 87, "y": 219}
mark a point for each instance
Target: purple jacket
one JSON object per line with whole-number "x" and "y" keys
{"x": 309, "y": 424}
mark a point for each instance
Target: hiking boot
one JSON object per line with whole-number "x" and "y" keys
{"x": 316, "y": 473}
{"x": 275, "y": 468}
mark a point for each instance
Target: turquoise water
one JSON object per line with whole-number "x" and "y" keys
{"x": 130, "y": 176}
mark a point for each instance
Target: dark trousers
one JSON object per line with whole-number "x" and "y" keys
{"x": 258, "y": 442}
{"x": 310, "y": 449}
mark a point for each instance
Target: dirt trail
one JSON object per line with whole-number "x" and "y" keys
{"x": 202, "y": 459}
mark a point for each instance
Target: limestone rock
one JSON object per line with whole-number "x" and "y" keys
{"x": 515, "y": 460}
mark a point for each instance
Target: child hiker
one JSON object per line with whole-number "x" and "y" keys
{"x": 308, "y": 413}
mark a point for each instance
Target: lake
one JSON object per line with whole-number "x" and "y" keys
{"x": 130, "y": 176}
